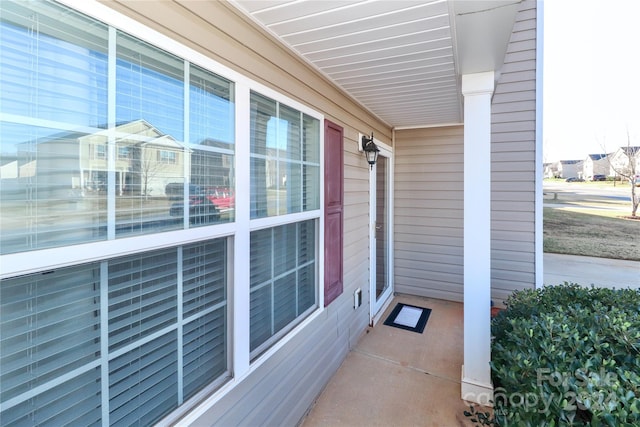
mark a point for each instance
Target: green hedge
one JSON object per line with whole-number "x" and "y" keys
{"x": 567, "y": 356}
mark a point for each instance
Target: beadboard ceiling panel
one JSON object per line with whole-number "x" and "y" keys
{"x": 400, "y": 59}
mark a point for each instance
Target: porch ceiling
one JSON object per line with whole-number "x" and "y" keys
{"x": 400, "y": 59}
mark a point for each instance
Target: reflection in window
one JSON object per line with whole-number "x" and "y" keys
{"x": 285, "y": 169}
{"x": 211, "y": 130}
{"x": 169, "y": 157}
{"x": 149, "y": 113}
{"x": 58, "y": 184}
{"x": 54, "y": 73}
{"x": 99, "y": 152}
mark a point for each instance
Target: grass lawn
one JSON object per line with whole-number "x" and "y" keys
{"x": 591, "y": 232}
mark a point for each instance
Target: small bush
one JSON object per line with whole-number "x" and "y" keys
{"x": 567, "y": 356}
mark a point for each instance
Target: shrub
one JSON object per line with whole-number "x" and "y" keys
{"x": 567, "y": 356}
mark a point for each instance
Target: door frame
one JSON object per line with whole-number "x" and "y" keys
{"x": 377, "y": 308}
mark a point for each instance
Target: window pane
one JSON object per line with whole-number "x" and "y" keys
{"x": 311, "y": 169}
{"x": 205, "y": 350}
{"x": 204, "y": 275}
{"x": 260, "y": 206}
{"x": 284, "y": 250}
{"x": 212, "y": 193}
{"x": 54, "y": 64}
{"x": 143, "y": 383}
{"x": 290, "y": 128}
{"x": 284, "y": 307}
{"x": 150, "y": 117}
{"x": 50, "y": 326}
{"x": 142, "y": 296}
{"x": 292, "y": 189}
{"x": 211, "y": 110}
{"x": 261, "y": 316}
{"x": 263, "y": 119}
{"x": 150, "y": 87}
{"x": 285, "y": 159}
{"x": 212, "y": 139}
{"x": 75, "y": 402}
{"x": 283, "y": 280}
{"x": 311, "y": 141}
{"x": 54, "y": 71}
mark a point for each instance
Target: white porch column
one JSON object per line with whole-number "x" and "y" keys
{"x": 476, "y": 372}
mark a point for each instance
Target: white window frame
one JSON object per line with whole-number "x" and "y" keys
{"x": 238, "y": 232}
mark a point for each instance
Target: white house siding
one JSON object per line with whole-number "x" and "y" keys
{"x": 429, "y": 212}
{"x": 513, "y": 161}
{"x": 280, "y": 390}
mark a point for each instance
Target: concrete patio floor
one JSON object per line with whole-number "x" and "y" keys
{"x": 395, "y": 377}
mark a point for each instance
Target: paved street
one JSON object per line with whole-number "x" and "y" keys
{"x": 583, "y": 270}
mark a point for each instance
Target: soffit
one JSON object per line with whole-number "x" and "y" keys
{"x": 400, "y": 59}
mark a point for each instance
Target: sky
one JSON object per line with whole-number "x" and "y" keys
{"x": 591, "y": 77}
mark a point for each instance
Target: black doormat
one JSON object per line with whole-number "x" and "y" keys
{"x": 408, "y": 317}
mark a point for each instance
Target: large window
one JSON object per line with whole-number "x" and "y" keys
{"x": 73, "y": 173}
{"x": 118, "y": 221}
{"x": 285, "y": 176}
{"x": 132, "y": 337}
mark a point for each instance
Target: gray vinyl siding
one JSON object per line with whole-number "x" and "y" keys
{"x": 280, "y": 391}
{"x": 513, "y": 145}
{"x": 428, "y": 200}
{"x": 429, "y": 187}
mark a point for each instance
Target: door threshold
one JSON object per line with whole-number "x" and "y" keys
{"x": 376, "y": 318}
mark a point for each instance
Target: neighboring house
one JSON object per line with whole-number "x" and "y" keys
{"x": 570, "y": 169}
{"x": 595, "y": 164}
{"x": 621, "y": 161}
{"x": 146, "y": 160}
{"x": 550, "y": 170}
{"x": 115, "y": 314}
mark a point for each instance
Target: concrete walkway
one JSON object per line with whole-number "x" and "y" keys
{"x": 586, "y": 271}
{"x": 398, "y": 378}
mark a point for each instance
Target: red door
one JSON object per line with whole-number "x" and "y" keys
{"x": 333, "y": 210}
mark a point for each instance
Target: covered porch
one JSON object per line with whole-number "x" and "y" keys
{"x": 399, "y": 377}
{"x": 454, "y": 84}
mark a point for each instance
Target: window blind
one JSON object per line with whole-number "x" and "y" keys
{"x": 50, "y": 326}
{"x": 142, "y": 296}
{"x": 205, "y": 310}
{"x": 285, "y": 170}
{"x": 51, "y": 337}
{"x": 54, "y": 70}
{"x": 142, "y": 382}
{"x": 283, "y": 280}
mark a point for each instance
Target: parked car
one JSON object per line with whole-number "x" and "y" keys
{"x": 222, "y": 197}
{"x": 201, "y": 210}
{"x": 175, "y": 190}
{"x": 599, "y": 178}
{"x": 574, "y": 179}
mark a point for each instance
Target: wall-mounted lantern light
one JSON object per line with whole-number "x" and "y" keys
{"x": 370, "y": 149}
